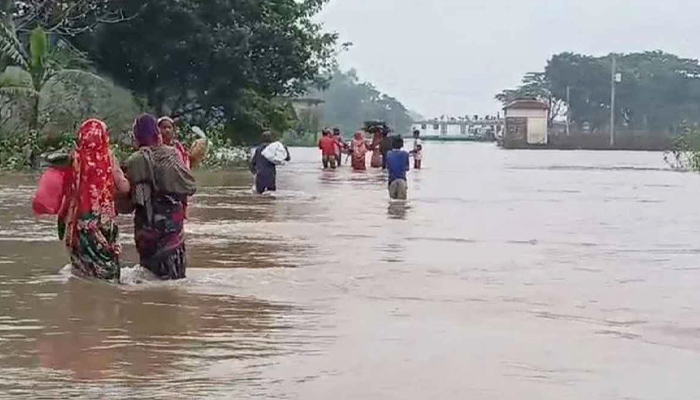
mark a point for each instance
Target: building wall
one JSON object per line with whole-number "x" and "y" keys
{"x": 526, "y": 127}
{"x": 517, "y": 113}
{"x": 537, "y": 130}
{"x": 427, "y": 129}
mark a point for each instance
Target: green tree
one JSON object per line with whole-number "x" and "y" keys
{"x": 535, "y": 85}
{"x": 29, "y": 71}
{"x": 224, "y": 61}
{"x": 659, "y": 92}
{"x": 350, "y": 102}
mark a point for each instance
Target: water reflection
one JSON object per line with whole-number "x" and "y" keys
{"x": 398, "y": 210}
{"x": 95, "y": 331}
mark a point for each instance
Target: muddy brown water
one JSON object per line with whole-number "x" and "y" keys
{"x": 508, "y": 275}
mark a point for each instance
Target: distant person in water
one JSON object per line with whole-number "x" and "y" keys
{"x": 328, "y": 145}
{"x": 398, "y": 163}
{"x": 417, "y": 151}
{"x": 385, "y": 146}
{"x": 340, "y": 145}
{"x": 359, "y": 149}
{"x": 87, "y": 221}
{"x": 265, "y": 171}
{"x": 376, "y": 160}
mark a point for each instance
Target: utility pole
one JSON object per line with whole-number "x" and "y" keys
{"x": 568, "y": 109}
{"x": 612, "y": 101}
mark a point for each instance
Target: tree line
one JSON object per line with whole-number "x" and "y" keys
{"x": 233, "y": 64}
{"x": 350, "y": 102}
{"x": 659, "y": 92}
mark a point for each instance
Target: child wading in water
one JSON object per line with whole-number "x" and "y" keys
{"x": 417, "y": 151}
{"x": 327, "y": 144}
{"x": 397, "y": 162}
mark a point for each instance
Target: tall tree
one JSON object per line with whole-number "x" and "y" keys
{"x": 350, "y": 102}
{"x": 215, "y": 59}
{"x": 538, "y": 86}
{"x": 35, "y": 65}
{"x": 62, "y": 17}
{"x": 659, "y": 92}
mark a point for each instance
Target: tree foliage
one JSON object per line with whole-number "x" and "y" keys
{"x": 536, "y": 85}
{"x": 659, "y": 92}
{"x": 350, "y": 102}
{"x": 214, "y": 59}
{"x": 62, "y": 17}
{"x": 34, "y": 66}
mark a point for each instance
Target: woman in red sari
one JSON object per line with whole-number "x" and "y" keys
{"x": 87, "y": 220}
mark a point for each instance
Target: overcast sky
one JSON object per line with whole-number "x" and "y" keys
{"x": 451, "y": 56}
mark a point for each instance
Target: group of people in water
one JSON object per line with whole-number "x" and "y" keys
{"x": 387, "y": 153}
{"x": 154, "y": 185}
{"x": 333, "y": 147}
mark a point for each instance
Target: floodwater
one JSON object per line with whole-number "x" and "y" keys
{"x": 508, "y": 275}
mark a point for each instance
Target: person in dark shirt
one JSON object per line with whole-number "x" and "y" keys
{"x": 397, "y": 162}
{"x": 264, "y": 170}
{"x": 385, "y": 146}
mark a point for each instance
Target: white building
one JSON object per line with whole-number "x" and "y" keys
{"x": 458, "y": 129}
{"x": 526, "y": 123}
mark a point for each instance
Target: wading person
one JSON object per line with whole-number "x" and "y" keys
{"x": 376, "y": 160}
{"x": 87, "y": 220}
{"x": 385, "y": 146}
{"x": 191, "y": 158}
{"x": 340, "y": 145}
{"x": 359, "y": 149}
{"x": 417, "y": 151}
{"x": 327, "y": 145}
{"x": 398, "y": 163}
{"x": 265, "y": 171}
{"x": 161, "y": 184}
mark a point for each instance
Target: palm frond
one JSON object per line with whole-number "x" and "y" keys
{"x": 16, "y": 76}
{"x": 17, "y": 91}
{"x": 10, "y": 45}
{"x": 38, "y": 48}
{"x": 74, "y": 75}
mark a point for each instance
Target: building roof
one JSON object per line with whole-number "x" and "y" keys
{"x": 526, "y": 104}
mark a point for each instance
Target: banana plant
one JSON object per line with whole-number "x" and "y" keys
{"x": 29, "y": 69}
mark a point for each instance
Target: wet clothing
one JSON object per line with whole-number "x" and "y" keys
{"x": 385, "y": 148}
{"x": 328, "y": 146}
{"x": 339, "y": 145}
{"x": 397, "y": 162}
{"x": 264, "y": 170}
{"x": 398, "y": 189}
{"x": 329, "y": 162}
{"x": 376, "y": 160}
{"x": 87, "y": 220}
{"x": 359, "y": 154}
{"x": 184, "y": 154}
{"x": 417, "y": 153}
{"x": 161, "y": 183}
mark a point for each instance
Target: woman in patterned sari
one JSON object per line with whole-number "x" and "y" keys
{"x": 161, "y": 183}
{"x": 166, "y": 127}
{"x": 87, "y": 219}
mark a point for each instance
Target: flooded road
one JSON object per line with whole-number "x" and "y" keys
{"x": 508, "y": 275}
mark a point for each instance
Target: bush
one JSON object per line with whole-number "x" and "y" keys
{"x": 685, "y": 151}
{"x": 307, "y": 139}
